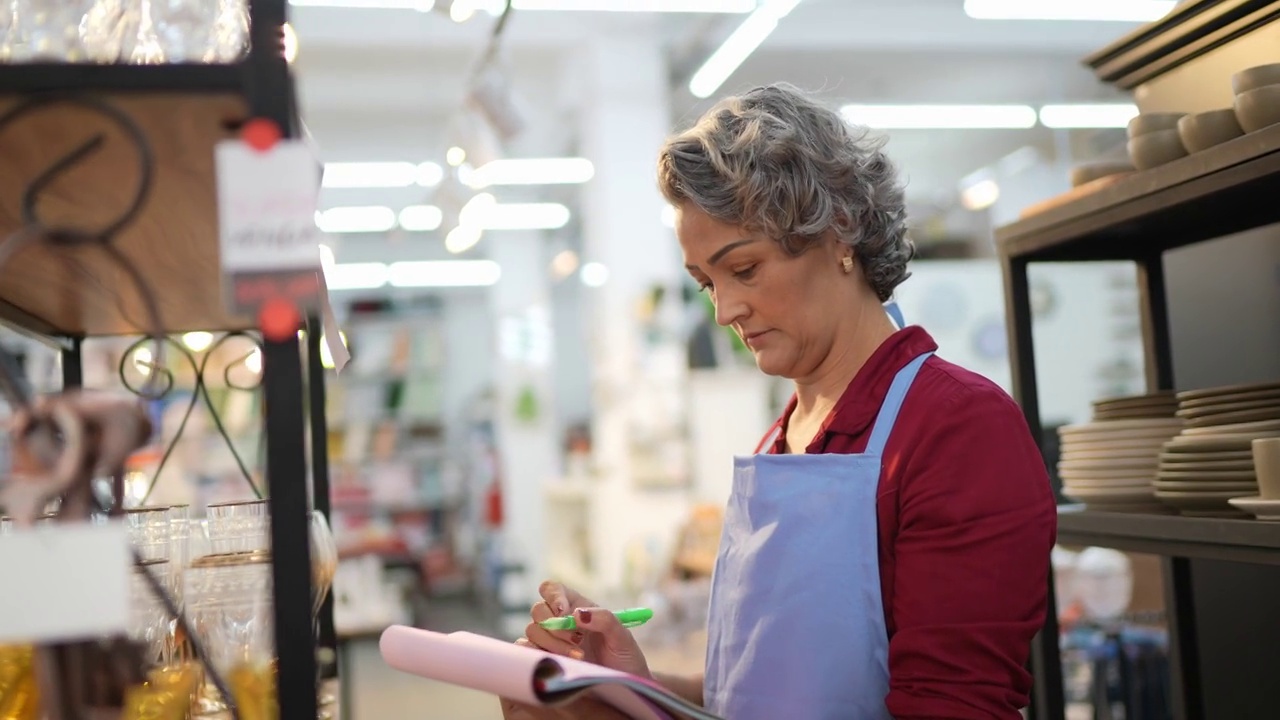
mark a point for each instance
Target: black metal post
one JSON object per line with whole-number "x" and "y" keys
{"x": 1047, "y": 701}
{"x": 72, "y": 364}
{"x": 290, "y": 526}
{"x": 1154, "y": 310}
{"x": 1184, "y": 650}
{"x": 320, "y": 468}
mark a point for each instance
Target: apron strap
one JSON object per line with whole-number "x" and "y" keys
{"x": 895, "y": 313}
{"x": 892, "y": 404}
{"x": 769, "y": 437}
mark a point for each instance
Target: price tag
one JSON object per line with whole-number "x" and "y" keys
{"x": 64, "y": 582}
{"x": 267, "y": 230}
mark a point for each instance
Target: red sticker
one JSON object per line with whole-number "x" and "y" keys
{"x": 260, "y": 134}
{"x": 279, "y": 320}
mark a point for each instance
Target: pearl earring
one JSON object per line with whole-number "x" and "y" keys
{"x": 847, "y": 262}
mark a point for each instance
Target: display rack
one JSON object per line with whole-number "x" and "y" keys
{"x": 183, "y": 110}
{"x": 1205, "y": 196}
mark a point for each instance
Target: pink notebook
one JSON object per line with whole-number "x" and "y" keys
{"x": 526, "y": 675}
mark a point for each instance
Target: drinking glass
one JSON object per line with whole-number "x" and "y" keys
{"x": 238, "y": 527}
{"x": 229, "y": 604}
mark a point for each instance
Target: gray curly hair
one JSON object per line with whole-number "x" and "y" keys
{"x": 776, "y": 161}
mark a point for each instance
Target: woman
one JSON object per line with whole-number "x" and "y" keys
{"x": 886, "y": 551}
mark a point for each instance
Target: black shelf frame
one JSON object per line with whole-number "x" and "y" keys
{"x": 1228, "y": 189}
{"x": 294, "y": 394}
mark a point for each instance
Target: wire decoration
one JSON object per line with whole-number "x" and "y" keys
{"x": 46, "y": 432}
{"x": 199, "y": 392}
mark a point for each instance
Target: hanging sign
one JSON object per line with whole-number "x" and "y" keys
{"x": 270, "y": 245}
{"x": 46, "y": 572}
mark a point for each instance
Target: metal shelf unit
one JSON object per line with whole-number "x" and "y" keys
{"x": 184, "y": 109}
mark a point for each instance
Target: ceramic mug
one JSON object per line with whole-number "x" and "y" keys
{"x": 1266, "y": 463}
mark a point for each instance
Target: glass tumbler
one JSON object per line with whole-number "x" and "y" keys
{"x": 238, "y": 527}
{"x": 229, "y": 603}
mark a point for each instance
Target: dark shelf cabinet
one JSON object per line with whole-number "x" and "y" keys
{"x": 1228, "y": 189}
{"x": 67, "y": 295}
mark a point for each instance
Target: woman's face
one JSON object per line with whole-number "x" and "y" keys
{"x": 786, "y": 309}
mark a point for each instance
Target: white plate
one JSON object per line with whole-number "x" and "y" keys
{"x": 1109, "y": 495}
{"x": 1245, "y": 428}
{"x": 1147, "y": 462}
{"x": 1268, "y": 510}
{"x": 1203, "y": 486}
{"x": 1192, "y": 395}
{"x": 1222, "y": 475}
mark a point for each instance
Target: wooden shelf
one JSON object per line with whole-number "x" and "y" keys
{"x": 1226, "y": 189}
{"x": 1248, "y": 541}
{"x": 173, "y": 242}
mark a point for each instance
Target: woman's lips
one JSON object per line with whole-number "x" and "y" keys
{"x": 753, "y": 339}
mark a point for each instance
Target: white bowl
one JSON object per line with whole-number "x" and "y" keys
{"x": 1154, "y": 149}
{"x": 1258, "y": 108}
{"x": 1153, "y": 122}
{"x": 1201, "y": 131}
{"x": 1255, "y": 77}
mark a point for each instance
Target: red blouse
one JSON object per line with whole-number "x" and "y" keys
{"x": 966, "y": 524}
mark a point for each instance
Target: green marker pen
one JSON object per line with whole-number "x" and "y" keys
{"x": 633, "y": 617}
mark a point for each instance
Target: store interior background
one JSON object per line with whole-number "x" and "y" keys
{"x": 543, "y": 394}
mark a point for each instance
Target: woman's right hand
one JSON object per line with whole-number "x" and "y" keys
{"x": 599, "y": 637}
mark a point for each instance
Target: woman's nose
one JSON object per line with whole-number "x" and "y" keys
{"x": 729, "y": 309}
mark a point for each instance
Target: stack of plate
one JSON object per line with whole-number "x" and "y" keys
{"x": 1110, "y": 462}
{"x": 1211, "y": 459}
{"x": 1162, "y": 404}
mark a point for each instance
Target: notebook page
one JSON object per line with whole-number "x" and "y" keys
{"x": 497, "y": 667}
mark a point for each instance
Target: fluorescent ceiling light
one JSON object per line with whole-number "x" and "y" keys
{"x": 381, "y": 174}
{"x": 941, "y": 117}
{"x": 1116, "y": 115}
{"x": 494, "y": 7}
{"x": 445, "y": 273}
{"x": 1095, "y": 10}
{"x": 653, "y": 6}
{"x": 980, "y": 195}
{"x": 462, "y": 239}
{"x": 420, "y": 5}
{"x": 532, "y": 171}
{"x": 522, "y": 216}
{"x": 738, "y": 46}
{"x": 594, "y": 274}
{"x": 356, "y": 276}
{"x": 356, "y": 219}
{"x": 421, "y": 218}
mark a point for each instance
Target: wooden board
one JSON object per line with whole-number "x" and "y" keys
{"x": 173, "y": 242}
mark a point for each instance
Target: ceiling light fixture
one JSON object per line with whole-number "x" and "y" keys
{"x": 520, "y": 216}
{"x": 290, "y": 42}
{"x": 1087, "y": 10}
{"x": 594, "y": 274}
{"x": 419, "y": 5}
{"x": 444, "y": 273}
{"x": 941, "y": 117}
{"x": 738, "y": 46}
{"x": 356, "y": 276}
{"x": 462, "y": 239}
{"x": 1116, "y": 115}
{"x": 381, "y": 174}
{"x": 532, "y": 171}
{"x": 356, "y": 219}
{"x": 421, "y": 218}
{"x": 652, "y": 6}
{"x": 980, "y": 195}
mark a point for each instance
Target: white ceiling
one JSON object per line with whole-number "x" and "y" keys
{"x": 381, "y": 84}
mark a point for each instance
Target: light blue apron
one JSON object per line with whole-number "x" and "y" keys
{"x": 796, "y": 625}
